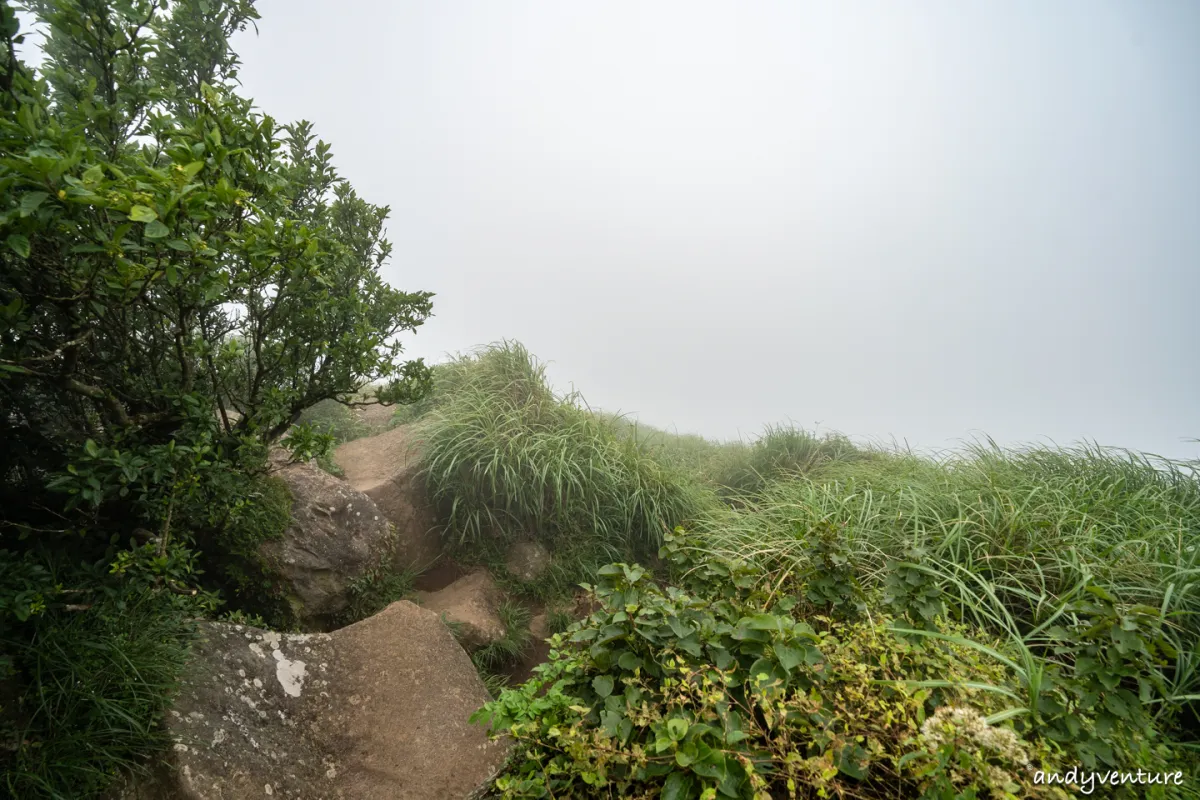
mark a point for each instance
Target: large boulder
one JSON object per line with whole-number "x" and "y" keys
{"x": 472, "y": 604}
{"x": 375, "y": 710}
{"x": 386, "y": 468}
{"x": 336, "y": 535}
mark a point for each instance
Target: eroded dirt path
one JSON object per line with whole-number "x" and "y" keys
{"x": 386, "y": 468}
{"x": 373, "y": 460}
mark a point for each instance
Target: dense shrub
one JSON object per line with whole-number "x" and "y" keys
{"x": 260, "y": 512}
{"x": 335, "y": 419}
{"x": 180, "y": 276}
{"x": 717, "y": 686}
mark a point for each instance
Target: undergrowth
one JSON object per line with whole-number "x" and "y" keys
{"x": 375, "y": 590}
{"x": 722, "y": 684}
{"x": 512, "y": 646}
{"x": 104, "y": 679}
{"x": 1008, "y": 538}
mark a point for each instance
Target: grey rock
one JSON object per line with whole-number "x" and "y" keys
{"x": 375, "y": 710}
{"x": 473, "y": 604}
{"x": 336, "y": 534}
{"x": 527, "y": 560}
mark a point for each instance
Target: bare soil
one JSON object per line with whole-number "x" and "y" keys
{"x": 386, "y": 468}
{"x": 373, "y": 460}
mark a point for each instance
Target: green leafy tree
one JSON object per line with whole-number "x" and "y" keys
{"x": 180, "y": 277}
{"x": 169, "y": 253}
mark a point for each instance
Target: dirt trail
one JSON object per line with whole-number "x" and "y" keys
{"x": 386, "y": 469}
{"x": 373, "y": 460}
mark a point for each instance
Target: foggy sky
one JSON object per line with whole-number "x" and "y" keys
{"x": 921, "y": 220}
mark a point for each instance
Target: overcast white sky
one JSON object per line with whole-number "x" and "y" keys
{"x": 926, "y": 220}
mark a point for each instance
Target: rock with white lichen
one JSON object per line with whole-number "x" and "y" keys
{"x": 375, "y": 710}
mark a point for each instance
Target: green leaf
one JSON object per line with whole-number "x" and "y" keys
{"x": 31, "y": 201}
{"x": 628, "y": 661}
{"x": 680, "y": 628}
{"x": 193, "y": 168}
{"x": 853, "y": 761}
{"x": 677, "y": 728}
{"x": 603, "y": 685}
{"x": 142, "y": 214}
{"x": 19, "y": 244}
{"x": 690, "y": 644}
{"x": 679, "y": 786}
{"x": 94, "y": 174}
{"x": 178, "y": 244}
{"x": 768, "y": 667}
{"x": 789, "y": 657}
{"x": 156, "y": 230}
{"x": 763, "y": 622}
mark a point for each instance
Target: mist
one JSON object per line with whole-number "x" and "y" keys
{"x": 911, "y": 222}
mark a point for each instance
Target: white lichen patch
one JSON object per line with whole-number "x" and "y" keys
{"x": 290, "y": 674}
{"x": 257, "y": 650}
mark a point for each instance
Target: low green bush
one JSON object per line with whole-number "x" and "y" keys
{"x": 375, "y": 590}
{"x": 335, "y": 419}
{"x": 719, "y": 684}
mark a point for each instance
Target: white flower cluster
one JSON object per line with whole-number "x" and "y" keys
{"x": 966, "y": 728}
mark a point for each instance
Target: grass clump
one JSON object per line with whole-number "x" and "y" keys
{"x": 738, "y": 468}
{"x": 1082, "y": 561}
{"x": 510, "y": 648}
{"x": 1030, "y": 523}
{"x": 781, "y": 451}
{"x": 92, "y": 687}
{"x": 505, "y": 458}
{"x": 375, "y": 590}
{"x": 446, "y": 379}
